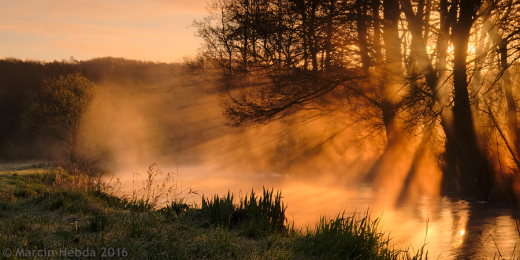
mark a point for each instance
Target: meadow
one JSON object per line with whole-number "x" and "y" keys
{"x": 50, "y": 210}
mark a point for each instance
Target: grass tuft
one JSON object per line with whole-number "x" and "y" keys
{"x": 62, "y": 208}
{"x": 254, "y": 216}
{"x": 218, "y": 210}
{"x": 347, "y": 237}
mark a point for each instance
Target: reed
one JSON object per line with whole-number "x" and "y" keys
{"x": 347, "y": 237}
{"x": 61, "y": 209}
{"x": 218, "y": 210}
{"x": 268, "y": 208}
{"x": 253, "y": 215}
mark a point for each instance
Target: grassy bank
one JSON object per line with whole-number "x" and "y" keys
{"x": 53, "y": 209}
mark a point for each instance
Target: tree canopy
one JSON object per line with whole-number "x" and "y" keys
{"x": 59, "y": 108}
{"x": 437, "y": 67}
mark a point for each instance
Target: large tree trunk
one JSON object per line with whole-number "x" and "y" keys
{"x": 472, "y": 163}
{"x": 470, "y": 169}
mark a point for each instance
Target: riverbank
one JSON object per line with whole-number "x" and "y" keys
{"x": 52, "y": 211}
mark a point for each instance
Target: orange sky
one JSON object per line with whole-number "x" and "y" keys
{"x": 154, "y": 30}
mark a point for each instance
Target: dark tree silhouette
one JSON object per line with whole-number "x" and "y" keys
{"x": 59, "y": 108}
{"x": 20, "y": 80}
{"x": 418, "y": 65}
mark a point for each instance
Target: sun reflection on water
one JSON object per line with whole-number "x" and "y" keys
{"x": 439, "y": 223}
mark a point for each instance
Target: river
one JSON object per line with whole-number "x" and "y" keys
{"x": 449, "y": 229}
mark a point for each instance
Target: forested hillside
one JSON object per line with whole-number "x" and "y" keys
{"x": 21, "y": 79}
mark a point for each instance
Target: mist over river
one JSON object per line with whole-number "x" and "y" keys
{"x": 347, "y": 107}
{"x": 451, "y": 229}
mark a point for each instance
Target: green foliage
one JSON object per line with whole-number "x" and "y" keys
{"x": 59, "y": 107}
{"x": 75, "y": 210}
{"x": 346, "y": 237}
{"x": 140, "y": 205}
{"x": 182, "y": 234}
{"x": 24, "y": 189}
{"x": 267, "y": 208}
{"x": 55, "y": 204}
{"x": 176, "y": 207}
{"x": 218, "y": 210}
{"x": 97, "y": 222}
{"x": 254, "y": 216}
{"x": 21, "y": 191}
{"x": 20, "y": 80}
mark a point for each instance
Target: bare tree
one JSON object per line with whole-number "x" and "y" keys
{"x": 411, "y": 64}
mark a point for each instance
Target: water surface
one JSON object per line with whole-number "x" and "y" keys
{"x": 450, "y": 229}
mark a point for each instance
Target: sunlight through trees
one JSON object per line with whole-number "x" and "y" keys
{"x": 440, "y": 70}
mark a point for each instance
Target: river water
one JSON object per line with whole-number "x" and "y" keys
{"x": 449, "y": 229}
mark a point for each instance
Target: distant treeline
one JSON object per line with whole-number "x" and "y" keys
{"x": 20, "y": 80}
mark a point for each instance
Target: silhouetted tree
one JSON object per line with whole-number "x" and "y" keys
{"x": 59, "y": 108}
{"x": 20, "y": 80}
{"x": 411, "y": 65}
